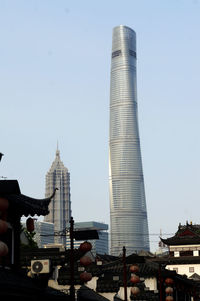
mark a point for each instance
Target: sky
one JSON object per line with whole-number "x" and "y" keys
{"x": 55, "y": 59}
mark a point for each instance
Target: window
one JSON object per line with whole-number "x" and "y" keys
{"x": 132, "y": 52}
{"x": 116, "y": 53}
{"x": 191, "y": 269}
{"x": 186, "y": 253}
{"x": 176, "y": 254}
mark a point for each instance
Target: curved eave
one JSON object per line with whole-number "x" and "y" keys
{"x": 173, "y": 241}
{"x": 25, "y": 205}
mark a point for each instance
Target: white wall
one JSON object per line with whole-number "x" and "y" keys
{"x": 151, "y": 283}
{"x": 121, "y": 293}
{"x": 92, "y": 283}
{"x": 183, "y": 269}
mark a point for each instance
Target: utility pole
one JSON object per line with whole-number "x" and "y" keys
{"x": 160, "y": 282}
{"x": 72, "y": 290}
{"x": 125, "y": 274}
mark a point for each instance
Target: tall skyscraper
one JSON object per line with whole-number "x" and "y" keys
{"x": 60, "y": 206}
{"x": 128, "y": 214}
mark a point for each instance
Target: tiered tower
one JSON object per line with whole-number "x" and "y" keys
{"x": 60, "y": 206}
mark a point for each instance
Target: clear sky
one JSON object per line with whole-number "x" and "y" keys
{"x": 54, "y": 85}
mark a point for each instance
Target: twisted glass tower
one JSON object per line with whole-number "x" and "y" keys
{"x": 128, "y": 214}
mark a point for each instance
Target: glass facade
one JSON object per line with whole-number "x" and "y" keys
{"x": 44, "y": 233}
{"x": 99, "y": 246}
{"x": 128, "y": 214}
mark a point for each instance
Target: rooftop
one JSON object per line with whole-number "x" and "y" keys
{"x": 20, "y": 203}
{"x": 91, "y": 225}
{"x": 188, "y": 234}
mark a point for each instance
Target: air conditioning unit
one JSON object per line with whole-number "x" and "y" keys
{"x": 40, "y": 266}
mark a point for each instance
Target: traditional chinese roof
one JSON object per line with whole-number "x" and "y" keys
{"x": 176, "y": 260}
{"x": 85, "y": 294}
{"x": 105, "y": 258}
{"x": 195, "y": 277}
{"x": 186, "y": 235}
{"x": 111, "y": 275}
{"x": 56, "y": 256}
{"x": 146, "y": 269}
{"x": 20, "y": 203}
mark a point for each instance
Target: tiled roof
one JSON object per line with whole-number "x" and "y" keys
{"x": 21, "y": 204}
{"x": 87, "y": 294}
{"x": 175, "y": 240}
{"x": 105, "y": 258}
{"x": 56, "y": 256}
{"x": 195, "y": 277}
{"x": 186, "y": 235}
{"x": 25, "y": 205}
{"x": 177, "y": 260}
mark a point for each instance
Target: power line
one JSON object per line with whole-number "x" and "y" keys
{"x": 62, "y": 233}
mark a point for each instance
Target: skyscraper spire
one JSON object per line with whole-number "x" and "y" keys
{"x": 57, "y": 150}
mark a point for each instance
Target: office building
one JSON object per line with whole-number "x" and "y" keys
{"x": 128, "y": 214}
{"x": 99, "y": 246}
{"x": 60, "y": 206}
{"x": 44, "y": 233}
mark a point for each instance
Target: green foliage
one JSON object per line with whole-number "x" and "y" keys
{"x": 31, "y": 243}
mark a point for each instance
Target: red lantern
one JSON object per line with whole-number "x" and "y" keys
{"x": 169, "y": 290}
{"x": 3, "y": 226}
{"x": 135, "y": 290}
{"x": 3, "y": 249}
{"x": 85, "y": 260}
{"x": 169, "y": 298}
{"x": 85, "y": 276}
{"x": 134, "y": 268}
{"x": 85, "y": 247}
{"x": 30, "y": 224}
{"x": 169, "y": 281}
{"x": 134, "y": 279}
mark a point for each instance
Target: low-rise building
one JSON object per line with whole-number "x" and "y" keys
{"x": 44, "y": 233}
{"x": 99, "y": 246}
{"x": 184, "y": 250}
